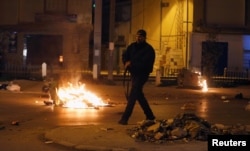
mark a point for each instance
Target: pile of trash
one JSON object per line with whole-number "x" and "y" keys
{"x": 11, "y": 86}
{"x": 186, "y": 126}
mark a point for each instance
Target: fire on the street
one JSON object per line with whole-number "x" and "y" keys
{"x": 204, "y": 86}
{"x": 76, "y": 96}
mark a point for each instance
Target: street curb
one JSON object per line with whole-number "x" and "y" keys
{"x": 52, "y": 137}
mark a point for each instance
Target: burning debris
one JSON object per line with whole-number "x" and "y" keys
{"x": 185, "y": 126}
{"x": 76, "y": 96}
{"x": 70, "y": 96}
{"x": 191, "y": 79}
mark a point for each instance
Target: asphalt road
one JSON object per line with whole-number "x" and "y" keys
{"x": 35, "y": 118}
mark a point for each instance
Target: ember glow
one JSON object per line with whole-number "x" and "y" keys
{"x": 204, "y": 86}
{"x": 76, "y": 96}
{"x": 202, "y": 83}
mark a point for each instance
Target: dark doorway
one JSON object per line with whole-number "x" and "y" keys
{"x": 43, "y": 48}
{"x": 214, "y": 57}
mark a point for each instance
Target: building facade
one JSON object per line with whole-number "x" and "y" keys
{"x": 181, "y": 31}
{"x": 55, "y": 32}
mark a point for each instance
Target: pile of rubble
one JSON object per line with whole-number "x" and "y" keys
{"x": 186, "y": 126}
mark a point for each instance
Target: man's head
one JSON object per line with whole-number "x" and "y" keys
{"x": 141, "y": 36}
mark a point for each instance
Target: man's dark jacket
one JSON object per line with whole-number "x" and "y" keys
{"x": 141, "y": 56}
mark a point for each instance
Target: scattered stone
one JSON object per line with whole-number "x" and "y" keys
{"x": 48, "y": 142}
{"x": 16, "y": 123}
{"x": 158, "y": 135}
{"x": 178, "y": 132}
{"x": 193, "y": 128}
{"x": 184, "y": 127}
{"x": 146, "y": 123}
{"x": 155, "y": 127}
{"x": 218, "y": 126}
{"x": 107, "y": 129}
{"x": 223, "y": 97}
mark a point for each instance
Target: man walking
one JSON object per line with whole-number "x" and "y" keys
{"x": 138, "y": 59}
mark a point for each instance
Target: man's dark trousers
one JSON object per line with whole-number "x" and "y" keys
{"x": 136, "y": 93}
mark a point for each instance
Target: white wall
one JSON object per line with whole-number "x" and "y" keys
{"x": 235, "y": 50}
{"x": 195, "y": 49}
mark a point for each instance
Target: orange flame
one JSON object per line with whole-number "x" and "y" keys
{"x": 204, "y": 86}
{"x": 76, "y": 96}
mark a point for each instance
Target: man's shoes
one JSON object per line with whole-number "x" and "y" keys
{"x": 123, "y": 122}
{"x": 146, "y": 122}
{"x": 151, "y": 118}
